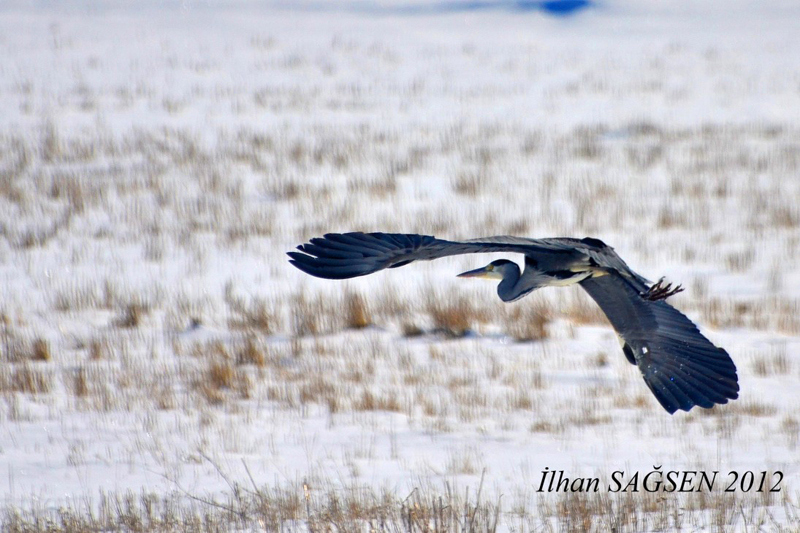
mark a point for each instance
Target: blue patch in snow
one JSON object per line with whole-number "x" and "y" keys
{"x": 559, "y": 8}
{"x": 562, "y": 8}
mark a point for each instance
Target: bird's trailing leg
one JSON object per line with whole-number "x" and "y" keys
{"x": 661, "y": 291}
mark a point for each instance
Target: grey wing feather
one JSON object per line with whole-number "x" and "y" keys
{"x": 348, "y": 255}
{"x": 607, "y": 258}
{"x": 680, "y": 366}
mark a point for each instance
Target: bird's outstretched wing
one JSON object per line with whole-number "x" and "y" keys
{"x": 681, "y": 367}
{"x": 348, "y": 255}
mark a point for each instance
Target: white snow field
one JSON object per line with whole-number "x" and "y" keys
{"x": 163, "y": 367}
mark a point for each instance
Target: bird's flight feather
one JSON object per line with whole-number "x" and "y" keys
{"x": 680, "y": 366}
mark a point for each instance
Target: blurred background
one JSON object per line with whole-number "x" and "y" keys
{"x": 157, "y": 160}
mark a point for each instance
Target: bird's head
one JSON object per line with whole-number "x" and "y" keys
{"x": 494, "y": 270}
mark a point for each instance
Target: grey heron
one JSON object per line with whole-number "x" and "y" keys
{"x": 681, "y": 367}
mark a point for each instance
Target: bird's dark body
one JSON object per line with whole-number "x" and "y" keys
{"x": 680, "y": 366}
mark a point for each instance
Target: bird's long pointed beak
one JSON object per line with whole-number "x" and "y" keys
{"x": 477, "y": 273}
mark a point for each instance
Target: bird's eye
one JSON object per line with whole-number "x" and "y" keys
{"x": 490, "y": 268}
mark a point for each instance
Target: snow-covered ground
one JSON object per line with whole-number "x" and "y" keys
{"x": 157, "y": 160}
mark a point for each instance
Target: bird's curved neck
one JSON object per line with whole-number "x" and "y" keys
{"x": 513, "y": 285}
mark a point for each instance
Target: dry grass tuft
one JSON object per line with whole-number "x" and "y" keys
{"x": 320, "y": 389}
{"x": 369, "y": 401}
{"x": 527, "y": 322}
{"x": 469, "y": 183}
{"x": 358, "y": 315}
{"x": 624, "y": 400}
{"x": 217, "y": 381}
{"x": 76, "y": 298}
{"x": 454, "y": 316}
{"x": 791, "y": 428}
{"x": 601, "y": 360}
{"x": 80, "y": 386}
{"x": 40, "y": 350}
{"x": 740, "y": 261}
{"x": 754, "y": 408}
{"x": 315, "y": 316}
{"x": 580, "y": 309}
{"x": 26, "y": 378}
{"x": 464, "y": 461}
{"x": 409, "y": 329}
{"x": 100, "y": 349}
{"x": 251, "y": 353}
{"x": 546, "y": 426}
{"x": 774, "y": 364}
{"x": 165, "y": 398}
{"x": 131, "y": 315}
{"x": 212, "y": 396}
{"x": 16, "y": 349}
{"x": 220, "y": 375}
{"x": 257, "y": 316}
{"x": 588, "y": 412}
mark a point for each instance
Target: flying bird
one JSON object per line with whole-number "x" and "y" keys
{"x": 681, "y": 367}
